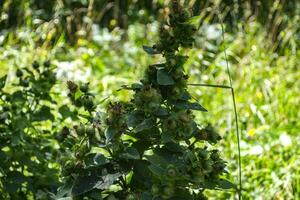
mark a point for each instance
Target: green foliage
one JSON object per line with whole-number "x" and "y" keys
{"x": 150, "y": 147}
{"x": 27, "y": 151}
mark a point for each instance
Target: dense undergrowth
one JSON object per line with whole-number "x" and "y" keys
{"x": 266, "y": 85}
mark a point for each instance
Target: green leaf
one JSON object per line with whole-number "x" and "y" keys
{"x": 95, "y": 160}
{"x": 163, "y": 157}
{"x": 185, "y": 96}
{"x": 173, "y": 147}
{"x": 157, "y": 170}
{"x": 84, "y": 184}
{"x": 65, "y": 189}
{"x": 110, "y": 133}
{"x": 225, "y": 184}
{"x": 167, "y": 137}
{"x": 2, "y": 81}
{"x": 66, "y": 112}
{"x": 78, "y": 94}
{"x": 131, "y": 153}
{"x": 141, "y": 175}
{"x": 194, "y": 20}
{"x": 18, "y": 96}
{"x": 142, "y": 144}
{"x": 161, "y": 111}
{"x": 107, "y": 181}
{"x": 189, "y": 105}
{"x": 150, "y": 50}
{"x": 43, "y": 114}
{"x": 157, "y": 160}
{"x": 146, "y": 124}
{"x": 163, "y": 78}
{"x": 219, "y": 184}
{"x": 134, "y": 118}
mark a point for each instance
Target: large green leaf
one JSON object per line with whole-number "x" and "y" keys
{"x": 18, "y": 96}
{"x": 142, "y": 145}
{"x": 84, "y": 184}
{"x": 130, "y": 153}
{"x": 134, "y": 118}
{"x": 157, "y": 170}
{"x": 141, "y": 175}
{"x": 64, "y": 190}
{"x": 185, "y": 96}
{"x": 95, "y": 160}
{"x": 173, "y": 147}
{"x": 146, "y": 124}
{"x": 189, "y": 105}
{"x": 43, "y": 114}
{"x": 66, "y": 112}
{"x": 110, "y": 133}
{"x": 225, "y": 184}
{"x": 163, "y": 78}
{"x": 163, "y": 157}
{"x": 107, "y": 181}
{"x": 157, "y": 160}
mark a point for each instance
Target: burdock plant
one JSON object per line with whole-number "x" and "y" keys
{"x": 150, "y": 147}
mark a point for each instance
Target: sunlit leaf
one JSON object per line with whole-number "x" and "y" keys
{"x": 194, "y": 20}
{"x": 78, "y": 94}
{"x": 66, "y": 112}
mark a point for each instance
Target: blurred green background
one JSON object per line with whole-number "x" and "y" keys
{"x": 100, "y": 41}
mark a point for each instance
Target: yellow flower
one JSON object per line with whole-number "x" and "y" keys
{"x": 251, "y": 132}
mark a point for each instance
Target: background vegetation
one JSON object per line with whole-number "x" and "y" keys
{"x": 100, "y": 42}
